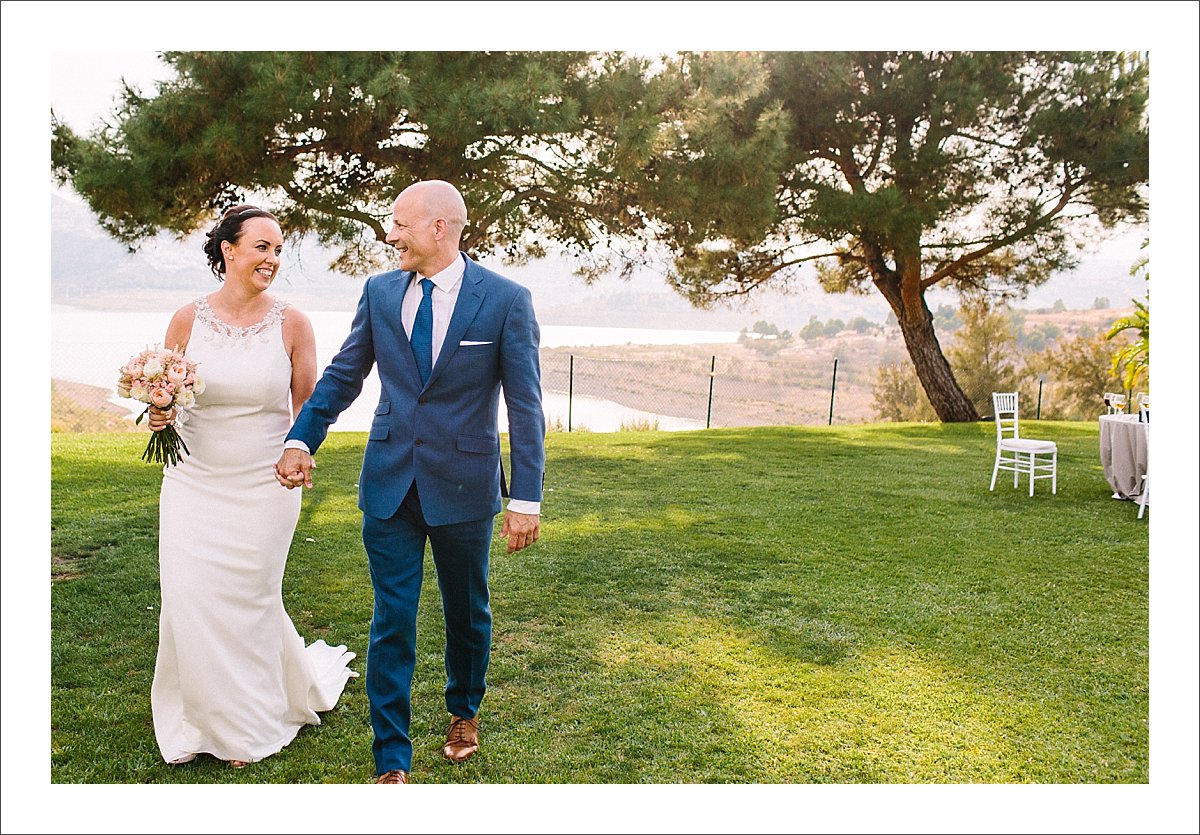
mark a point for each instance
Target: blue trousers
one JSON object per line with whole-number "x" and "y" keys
{"x": 396, "y": 551}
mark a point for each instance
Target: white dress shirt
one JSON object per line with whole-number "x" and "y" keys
{"x": 446, "y": 285}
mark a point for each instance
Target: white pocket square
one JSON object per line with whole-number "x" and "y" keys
{"x": 469, "y": 342}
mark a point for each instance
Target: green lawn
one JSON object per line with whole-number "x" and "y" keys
{"x": 770, "y": 605}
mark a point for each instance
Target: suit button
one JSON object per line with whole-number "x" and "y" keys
{"x": 419, "y": 441}
{"x": 422, "y": 400}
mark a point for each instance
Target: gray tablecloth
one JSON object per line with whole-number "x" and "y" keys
{"x": 1123, "y": 453}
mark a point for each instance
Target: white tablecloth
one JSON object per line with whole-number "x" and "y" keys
{"x": 1123, "y": 453}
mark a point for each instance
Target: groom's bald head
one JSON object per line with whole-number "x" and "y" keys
{"x": 427, "y": 226}
{"x": 434, "y": 199}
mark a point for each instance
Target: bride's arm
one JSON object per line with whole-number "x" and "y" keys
{"x": 179, "y": 331}
{"x": 301, "y": 344}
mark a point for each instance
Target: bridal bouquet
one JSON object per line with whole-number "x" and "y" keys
{"x": 164, "y": 379}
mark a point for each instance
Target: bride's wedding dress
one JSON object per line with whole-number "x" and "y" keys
{"x": 233, "y": 678}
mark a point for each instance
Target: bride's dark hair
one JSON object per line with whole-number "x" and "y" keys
{"x": 229, "y": 228}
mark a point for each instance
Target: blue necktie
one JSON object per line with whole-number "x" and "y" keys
{"x": 422, "y": 332}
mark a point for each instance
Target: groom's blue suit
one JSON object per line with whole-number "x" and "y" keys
{"x": 432, "y": 471}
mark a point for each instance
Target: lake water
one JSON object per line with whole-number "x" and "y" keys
{"x": 88, "y": 346}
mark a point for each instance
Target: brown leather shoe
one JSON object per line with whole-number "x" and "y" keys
{"x": 462, "y": 740}
{"x": 393, "y": 776}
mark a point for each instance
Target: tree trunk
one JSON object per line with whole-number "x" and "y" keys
{"x": 933, "y": 370}
{"x": 932, "y": 367}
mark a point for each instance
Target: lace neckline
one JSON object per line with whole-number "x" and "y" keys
{"x": 216, "y": 325}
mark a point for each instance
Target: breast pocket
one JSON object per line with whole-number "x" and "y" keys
{"x": 476, "y": 349}
{"x": 474, "y": 365}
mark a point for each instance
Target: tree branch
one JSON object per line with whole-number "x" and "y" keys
{"x": 999, "y": 243}
{"x": 349, "y": 213}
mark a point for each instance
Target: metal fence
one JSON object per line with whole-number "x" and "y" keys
{"x": 693, "y": 390}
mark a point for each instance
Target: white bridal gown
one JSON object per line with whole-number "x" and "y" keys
{"x": 233, "y": 678}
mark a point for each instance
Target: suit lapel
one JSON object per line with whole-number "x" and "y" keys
{"x": 470, "y": 298}
{"x": 394, "y": 294}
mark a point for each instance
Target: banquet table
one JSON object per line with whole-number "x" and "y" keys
{"x": 1123, "y": 453}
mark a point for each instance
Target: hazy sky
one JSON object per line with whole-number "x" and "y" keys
{"x": 85, "y": 85}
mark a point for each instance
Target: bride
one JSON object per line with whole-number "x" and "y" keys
{"x": 233, "y": 678}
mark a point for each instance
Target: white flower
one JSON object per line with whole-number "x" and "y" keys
{"x": 139, "y": 392}
{"x": 198, "y": 386}
{"x": 184, "y": 399}
{"x": 152, "y": 368}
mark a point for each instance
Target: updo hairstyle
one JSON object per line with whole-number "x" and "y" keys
{"x": 229, "y": 228}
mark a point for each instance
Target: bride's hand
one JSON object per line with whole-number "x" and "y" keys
{"x": 160, "y": 419}
{"x": 294, "y": 469}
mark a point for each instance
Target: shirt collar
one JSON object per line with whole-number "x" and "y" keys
{"x": 447, "y": 278}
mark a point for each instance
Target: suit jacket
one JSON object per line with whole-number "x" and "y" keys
{"x": 443, "y": 435}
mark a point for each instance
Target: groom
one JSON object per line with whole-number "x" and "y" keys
{"x": 446, "y": 335}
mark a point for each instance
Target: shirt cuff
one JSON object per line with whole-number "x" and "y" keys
{"x": 521, "y": 506}
{"x": 296, "y": 443}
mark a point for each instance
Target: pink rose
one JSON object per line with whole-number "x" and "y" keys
{"x": 177, "y": 372}
{"x": 161, "y": 398}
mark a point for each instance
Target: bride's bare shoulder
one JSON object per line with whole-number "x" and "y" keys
{"x": 188, "y": 311}
{"x": 295, "y": 317}
{"x": 179, "y": 330}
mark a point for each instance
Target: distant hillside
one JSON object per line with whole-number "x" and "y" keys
{"x": 88, "y": 268}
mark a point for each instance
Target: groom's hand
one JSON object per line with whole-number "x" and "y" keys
{"x": 294, "y": 469}
{"x": 520, "y": 529}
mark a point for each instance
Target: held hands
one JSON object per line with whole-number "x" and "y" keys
{"x": 160, "y": 419}
{"x": 294, "y": 469}
{"x": 520, "y": 529}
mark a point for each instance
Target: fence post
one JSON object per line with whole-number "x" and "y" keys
{"x": 1041, "y": 381}
{"x": 570, "y": 390}
{"x": 832, "y": 389}
{"x": 712, "y": 373}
